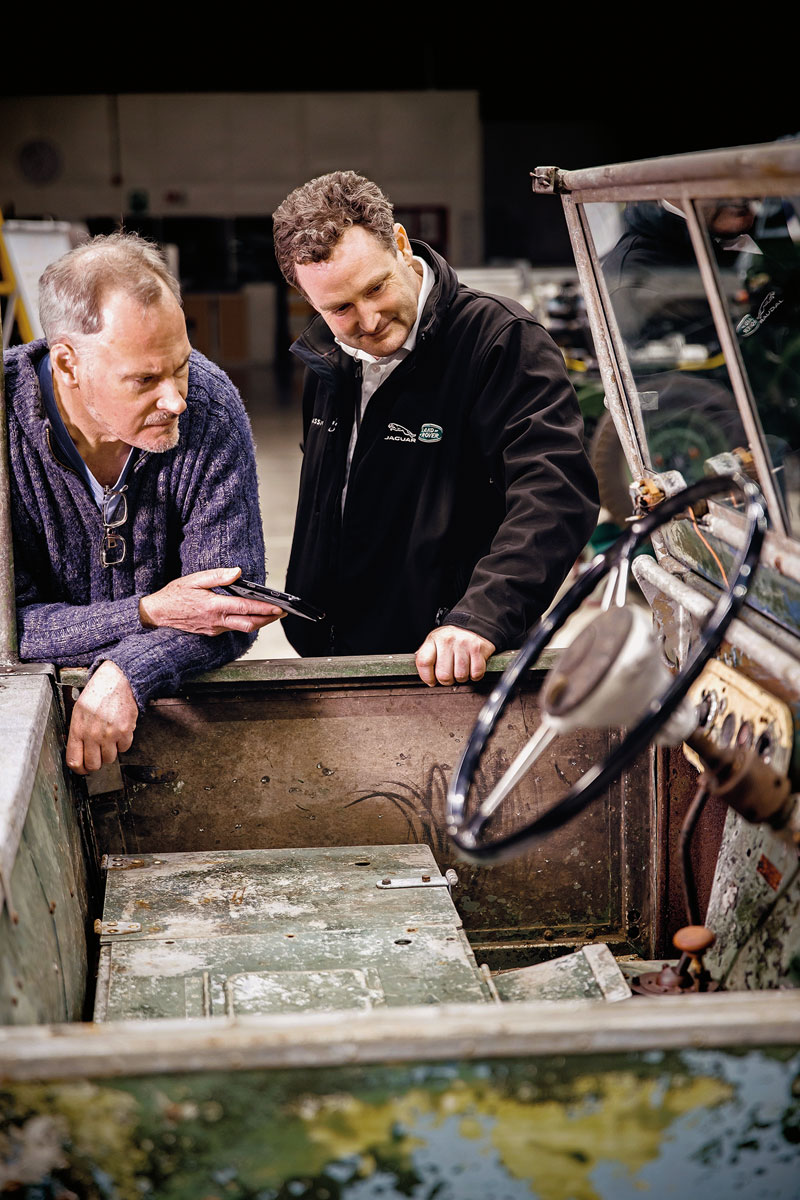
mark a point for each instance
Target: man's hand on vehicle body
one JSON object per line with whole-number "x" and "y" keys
{"x": 450, "y": 654}
{"x": 105, "y": 715}
{"x": 103, "y": 720}
{"x": 188, "y": 603}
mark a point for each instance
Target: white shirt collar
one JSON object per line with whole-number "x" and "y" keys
{"x": 408, "y": 345}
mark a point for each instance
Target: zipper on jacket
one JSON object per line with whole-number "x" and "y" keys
{"x": 60, "y": 462}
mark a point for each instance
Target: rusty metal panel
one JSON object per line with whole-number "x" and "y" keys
{"x": 367, "y": 764}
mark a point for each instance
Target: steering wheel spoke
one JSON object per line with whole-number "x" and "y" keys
{"x": 538, "y": 743}
{"x": 615, "y": 593}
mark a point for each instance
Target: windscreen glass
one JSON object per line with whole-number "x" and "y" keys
{"x": 688, "y": 410}
{"x": 761, "y": 237}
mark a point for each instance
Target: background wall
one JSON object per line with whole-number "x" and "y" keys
{"x": 231, "y": 154}
{"x": 204, "y": 171}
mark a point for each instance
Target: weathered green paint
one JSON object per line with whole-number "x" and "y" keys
{"x": 43, "y": 953}
{"x": 266, "y": 931}
{"x": 754, "y": 909}
{"x": 285, "y": 891}
{"x": 588, "y": 974}
{"x": 353, "y": 668}
{"x": 611, "y": 1127}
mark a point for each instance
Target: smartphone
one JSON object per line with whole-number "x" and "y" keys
{"x": 290, "y": 604}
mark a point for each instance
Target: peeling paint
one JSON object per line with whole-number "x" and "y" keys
{"x": 161, "y": 958}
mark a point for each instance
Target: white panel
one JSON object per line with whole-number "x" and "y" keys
{"x": 175, "y": 141}
{"x": 343, "y": 133}
{"x": 268, "y": 142}
{"x": 428, "y": 136}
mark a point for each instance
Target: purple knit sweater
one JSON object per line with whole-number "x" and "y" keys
{"x": 189, "y": 509}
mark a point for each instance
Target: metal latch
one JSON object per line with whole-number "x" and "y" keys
{"x": 104, "y": 928}
{"x": 448, "y": 880}
{"x": 123, "y": 862}
{"x": 114, "y": 862}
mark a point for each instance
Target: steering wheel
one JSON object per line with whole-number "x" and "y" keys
{"x": 602, "y": 645}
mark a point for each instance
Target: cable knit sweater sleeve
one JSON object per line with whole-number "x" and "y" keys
{"x": 222, "y": 528}
{"x": 190, "y": 509}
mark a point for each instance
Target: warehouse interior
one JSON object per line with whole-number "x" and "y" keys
{"x": 200, "y": 171}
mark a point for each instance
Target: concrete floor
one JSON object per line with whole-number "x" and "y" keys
{"x": 273, "y": 403}
{"x": 274, "y": 406}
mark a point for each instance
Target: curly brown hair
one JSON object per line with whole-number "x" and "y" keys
{"x": 312, "y": 219}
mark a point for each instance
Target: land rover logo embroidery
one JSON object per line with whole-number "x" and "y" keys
{"x": 431, "y": 433}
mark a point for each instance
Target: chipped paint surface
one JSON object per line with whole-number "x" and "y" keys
{"x": 589, "y": 974}
{"x": 157, "y": 958}
{"x": 298, "y": 991}
{"x": 281, "y": 931}
{"x": 689, "y": 1123}
{"x": 43, "y": 954}
{"x": 754, "y": 912}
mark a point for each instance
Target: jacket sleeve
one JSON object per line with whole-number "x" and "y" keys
{"x": 221, "y": 527}
{"x": 526, "y": 420}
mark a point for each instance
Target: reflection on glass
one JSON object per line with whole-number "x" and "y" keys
{"x": 687, "y": 403}
{"x": 763, "y": 295}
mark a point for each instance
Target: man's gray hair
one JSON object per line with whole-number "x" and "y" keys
{"x": 312, "y": 219}
{"x": 72, "y": 289}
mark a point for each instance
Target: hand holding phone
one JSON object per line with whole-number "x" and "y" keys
{"x": 286, "y": 601}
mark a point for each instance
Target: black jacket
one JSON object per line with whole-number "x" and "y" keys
{"x": 470, "y": 494}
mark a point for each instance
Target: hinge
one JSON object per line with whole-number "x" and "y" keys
{"x": 448, "y": 880}
{"x": 105, "y": 928}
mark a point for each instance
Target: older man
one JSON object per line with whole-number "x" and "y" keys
{"x": 445, "y": 492}
{"x": 133, "y": 492}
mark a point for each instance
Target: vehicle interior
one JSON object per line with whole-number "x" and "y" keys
{"x": 317, "y": 878}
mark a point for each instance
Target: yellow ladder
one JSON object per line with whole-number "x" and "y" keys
{"x": 14, "y": 310}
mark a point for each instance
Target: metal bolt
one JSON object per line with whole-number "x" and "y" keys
{"x": 426, "y": 878}
{"x": 386, "y": 881}
{"x": 548, "y": 935}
